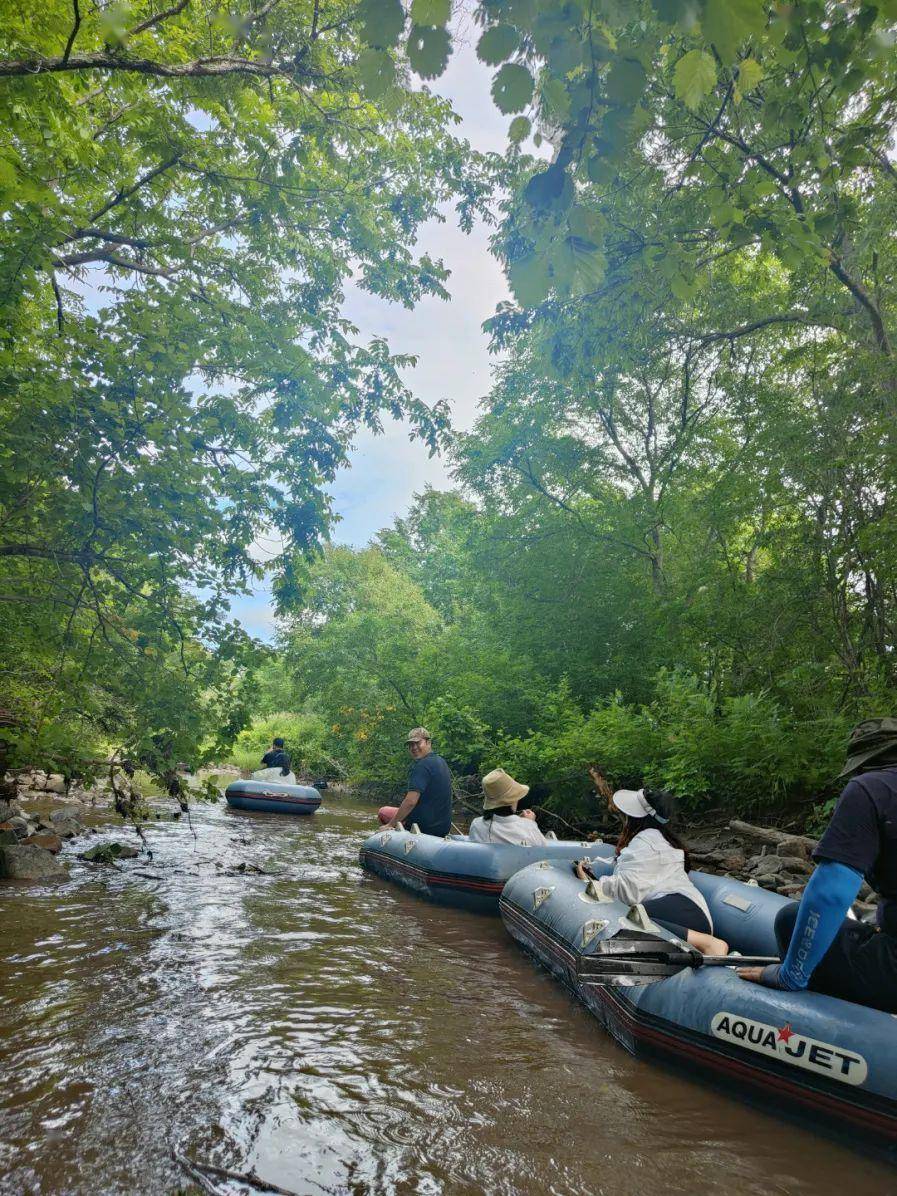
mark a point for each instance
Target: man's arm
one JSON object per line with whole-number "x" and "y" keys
{"x": 409, "y": 801}
{"x": 823, "y": 907}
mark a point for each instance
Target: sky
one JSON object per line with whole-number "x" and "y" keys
{"x": 454, "y": 363}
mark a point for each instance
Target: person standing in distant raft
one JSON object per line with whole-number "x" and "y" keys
{"x": 277, "y": 765}
{"x": 825, "y": 953}
{"x": 505, "y": 818}
{"x": 428, "y": 801}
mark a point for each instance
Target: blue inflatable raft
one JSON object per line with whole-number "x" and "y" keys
{"x": 272, "y": 798}
{"x": 454, "y": 871}
{"x": 827, "y": 1061}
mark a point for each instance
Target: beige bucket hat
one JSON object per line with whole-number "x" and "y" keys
{"x": 501, "y": 790}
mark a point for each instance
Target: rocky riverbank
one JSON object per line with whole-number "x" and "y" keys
{"x": 38, "y": 813}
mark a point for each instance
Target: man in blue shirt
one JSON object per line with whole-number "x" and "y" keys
{"x": 428, "y": 801}
{"x": 825, "y": 953}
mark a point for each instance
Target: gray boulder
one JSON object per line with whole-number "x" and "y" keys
{"x": 66, "y": 822}
{"x": 29, "y": 862}
{"x": 55, "y": 783}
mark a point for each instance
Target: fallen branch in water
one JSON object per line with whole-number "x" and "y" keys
{"x": 196, "y": 1169}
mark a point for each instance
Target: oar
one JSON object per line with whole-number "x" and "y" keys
{"x": 629, "y": 960}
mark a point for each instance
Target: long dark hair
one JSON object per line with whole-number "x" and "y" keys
{"x": 664, "y": 803}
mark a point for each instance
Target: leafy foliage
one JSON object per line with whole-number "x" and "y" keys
{"x": 187, "y": 193}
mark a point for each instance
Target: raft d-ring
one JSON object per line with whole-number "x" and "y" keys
{"x": 541, "y": 895}
{"x": 385, "y": 838}
{"x": 638, "y": 916}
{"x": 409, "y": 845}
{"x": 592, "y": 929}
{"x": 544, "y": 864}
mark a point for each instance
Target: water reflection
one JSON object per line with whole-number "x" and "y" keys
{"x": 338, "y": 1036}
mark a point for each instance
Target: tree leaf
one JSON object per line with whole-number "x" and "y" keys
{"x": 750, "y": 72}
{"x": 377, "y": 72}
{"x": 497, "y": 44}
{"x": 727, "y": 23}
{"x": 519, "y": 130}
{"x": 512, "y": 87}
{"x": 529, "y": 279}
{"x": 431, "y": 12}
{"x": 626, "y": 81}
{"x": 428, "y": 51}
{"x": 555, "y": 100}
{"x": 694, "y": 77}
{"x": 382, "y": 22}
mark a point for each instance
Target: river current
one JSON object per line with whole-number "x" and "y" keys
{"x": 336, "y": 1035}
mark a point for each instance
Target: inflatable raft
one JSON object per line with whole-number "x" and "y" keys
{"x": 272, "y": 798}
{"x": 827, "y": 1061}
{"x": 454, "y": 871}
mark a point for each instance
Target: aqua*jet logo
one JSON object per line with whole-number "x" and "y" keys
{"x": 787, "y": 1045}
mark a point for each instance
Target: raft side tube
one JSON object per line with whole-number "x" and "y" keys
{"x": 457, "y": 872}
{"x": 827, "y": 1062}
{"x": 269, "y": 797}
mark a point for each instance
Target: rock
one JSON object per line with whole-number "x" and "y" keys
{"x": 794, "y": 845}
{"x": 106, "y": 853}
{"x": 66, "y": 822}
{"x": 734, "y": 862}
{"x": 8, "y": 809}
{"x": 18, "y": 824}
{"x": 35, "y": 779}
{"x": 55, "y": 783}
{"x": 48, "y": 841}
{"x": 8, "y": 838}
{"x": 26, "y": 861}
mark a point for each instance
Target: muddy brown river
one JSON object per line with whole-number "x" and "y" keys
{"x": 336, "y": 1035}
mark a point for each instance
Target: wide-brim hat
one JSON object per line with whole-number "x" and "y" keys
{"x": 869, "y": 739}
{"x": 634, "y": 804}
{"x": 500, "y": 789}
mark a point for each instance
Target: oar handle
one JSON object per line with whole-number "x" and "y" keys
{"x": 735, "y": 961}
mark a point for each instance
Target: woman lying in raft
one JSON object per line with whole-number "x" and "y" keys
{"x": 505, "y": 817}
{"x": 651, "y": 868}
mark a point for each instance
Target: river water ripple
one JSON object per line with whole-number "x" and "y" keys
{"x": 338, "y": 1036}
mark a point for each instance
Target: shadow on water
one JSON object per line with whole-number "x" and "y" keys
{"x": 337, "y": 1035}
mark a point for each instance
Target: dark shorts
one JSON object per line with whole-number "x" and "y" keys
{"x": 677, "y": 913}
{"x": 859, "y": 966}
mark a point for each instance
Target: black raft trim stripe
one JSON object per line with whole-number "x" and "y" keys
{"x": 695, "y": 1046}
{"x": 444, "y": 880}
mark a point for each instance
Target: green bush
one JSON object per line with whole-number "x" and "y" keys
{"x": 305, "y": 737}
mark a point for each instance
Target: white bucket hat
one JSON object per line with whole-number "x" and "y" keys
{"x": 633, "y": 803}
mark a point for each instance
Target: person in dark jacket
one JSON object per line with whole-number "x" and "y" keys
{"x": 277, "y": 757}
{"x": 823, "y": 951}
{"x": 428, "y": 801}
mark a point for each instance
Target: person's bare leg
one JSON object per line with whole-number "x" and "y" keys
{"x": 707, "y": 944}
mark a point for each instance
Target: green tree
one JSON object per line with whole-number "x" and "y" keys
{"x": 187, "y": 194}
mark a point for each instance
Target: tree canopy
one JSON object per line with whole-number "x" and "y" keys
{"x": 187, "y": 195}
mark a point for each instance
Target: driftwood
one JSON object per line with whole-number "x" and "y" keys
{"x": 196, "y": 1168}
{"x": 801, "y": 845}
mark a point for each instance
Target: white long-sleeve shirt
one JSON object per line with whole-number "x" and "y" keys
{"x": 506, "y": 828}
{"x": 649, "y": 867}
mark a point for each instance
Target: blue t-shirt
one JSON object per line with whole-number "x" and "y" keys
{"x": 431, "y": 778}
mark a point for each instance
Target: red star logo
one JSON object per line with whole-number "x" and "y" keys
{"x": 786, "y": 1033}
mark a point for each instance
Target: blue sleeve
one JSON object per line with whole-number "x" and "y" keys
{"x": 823, "y": 907}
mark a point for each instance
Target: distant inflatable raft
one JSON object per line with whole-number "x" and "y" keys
{"x": 832, "y": 1063}
{"x": 456, "y": 872}
{"x": 270, "y": 798}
